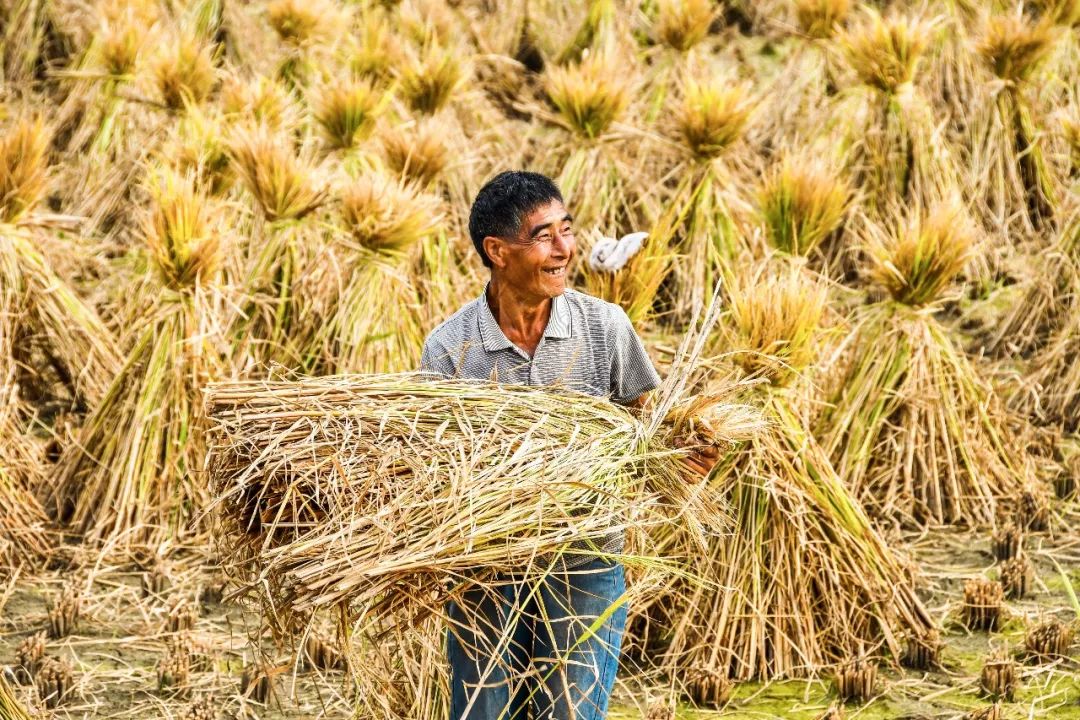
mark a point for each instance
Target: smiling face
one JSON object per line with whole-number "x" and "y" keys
{"x": 535, "y": 262}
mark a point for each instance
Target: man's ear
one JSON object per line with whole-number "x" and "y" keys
{"x": 495, "y": 250}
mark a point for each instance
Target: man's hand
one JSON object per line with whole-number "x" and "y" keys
{"x": 700, "y": 460}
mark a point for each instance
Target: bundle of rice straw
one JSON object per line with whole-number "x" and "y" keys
{"x": 129, "y": 477}
{"x": 390, "y": 492}
{"x": 23, "y": 534}
{"x": 387, "y": 490}
{"x": 804, "y": 579}
{"x": 914, "y": 428}
{"x": 41, "y": 317}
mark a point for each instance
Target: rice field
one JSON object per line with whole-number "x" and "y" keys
{"x": 227, "y": 226}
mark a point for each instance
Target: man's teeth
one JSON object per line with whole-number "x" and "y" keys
{"x": 556, "y": 271}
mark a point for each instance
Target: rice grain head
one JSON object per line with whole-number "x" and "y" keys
{"x": 199, "y": 148}
{"x": 429, "y": 81}
{"x": 419, "y": 152}
{"x": 23, "y": 168}
{"x": 590, "y": 96}
{"x": 1065, "y": 13}
{"x": 885, "y": 52}
{"x": 821, "y": 18}
{"x": 776, "y": 316}
{"x": 260, "y": 100}
{"x": 387, "y": 215}
{"x": 802, "y": 201}
{"x": 1013, "y": 47}
{"x": 374, "y": 48}
{"x": 180, "y": 230}
{"x": 425, "y": 21}
{"x": 918, "y": 262}
{"x": 1070, "y": 130}
{"x": 682, "y": 24}
{"x": 282, "y": 180}
{"x": 713, "y": 115}
{"x": 301, "y": 23}
{"x": 184, "y": 73}
{"x": 119, "y": 44}
{"x": 346, "y": 111}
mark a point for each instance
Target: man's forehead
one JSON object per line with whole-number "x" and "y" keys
{"x": 552, "y": 212}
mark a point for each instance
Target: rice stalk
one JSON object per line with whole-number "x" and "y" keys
{"x": 589, "y": 96}
{"x": 914, "y": 428}
{"x": 419, "y": 152}
{"x": 375, "y": 492}
{"x": 260, "y": 101}
{"x": 682, "y": 24}
{"x": 23, "y": 168}
{"x": 302, "y": 23}
{"x": 430, "y": 81}
{"x": 374, "y": 50}
{"x": 10, "y": 706}
{"x": 598, "y": 23}
{"x": 199, "y": 147}
{"x": 119, "y": 46}
{"x": 375, "y": 323}
{"x": 132, "y": 475}
{"x": 1056, "y": 379}
{"x": 41, "y": 316}
{"x": 776, "y": 316}
{"x": 184, "y": 72}
{"x": 885, "y": 52}
{"x": 346, "y": 111}
{"x": 916, "y": 264}
{"x": 24, "y": 536}
{"x": 898, "y": 154}
{"x": 803, "y": 580}
{"x": 709, "y": 119}
{"x": 282, "y": 181}
{"x": 820, "y": 19}
{"x": 1008, "y": 165}
{"x": 1065, "y": 13}
{"x": 802, "y": 203}
{"x": 1048, "y": 296}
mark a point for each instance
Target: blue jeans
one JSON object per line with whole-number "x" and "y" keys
{"x": 551, "y": 645}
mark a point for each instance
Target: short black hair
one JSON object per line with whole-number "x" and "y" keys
{"x": 502, "y": 204}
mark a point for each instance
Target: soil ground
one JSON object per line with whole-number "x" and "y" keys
{"x": 121, "y": 637}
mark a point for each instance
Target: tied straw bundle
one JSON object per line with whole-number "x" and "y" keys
{"x": 398, "y": 491}
{"x": 917, "y": 432}
{"x": 803, "y": 579}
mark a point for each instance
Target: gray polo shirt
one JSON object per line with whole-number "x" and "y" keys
{"x": 589, "y": 345}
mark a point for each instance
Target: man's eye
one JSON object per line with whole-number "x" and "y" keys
{"x": 568, "y": 230}
{"x": 543, "y": 238}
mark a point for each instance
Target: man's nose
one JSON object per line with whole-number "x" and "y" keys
{"x": 562, "y": 244}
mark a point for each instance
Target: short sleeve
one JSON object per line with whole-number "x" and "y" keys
{"x": 632, "y": 372}
{"x": 435, "y": 359}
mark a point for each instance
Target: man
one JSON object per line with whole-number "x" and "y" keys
{"x": 552, "y": 645}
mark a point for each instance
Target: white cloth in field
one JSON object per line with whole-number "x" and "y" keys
{"x": 611, "y": 255}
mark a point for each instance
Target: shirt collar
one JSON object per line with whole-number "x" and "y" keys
{"x": 559, "y": 325}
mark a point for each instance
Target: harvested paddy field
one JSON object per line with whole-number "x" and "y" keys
{"x": 121, "y": 638}
{"x": 322, "y": 319}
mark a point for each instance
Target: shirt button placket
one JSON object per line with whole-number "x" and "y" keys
{"x": 534, "y": 378}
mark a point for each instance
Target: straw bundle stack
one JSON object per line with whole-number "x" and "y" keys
{"x": 23, "y": 535}
{"x": 804, "y": 579}
{"x": 40, "y": 315}
{"x": 129, "y": 476}
{"x": 915, "y": 429}
{"x": 384, "y": 492}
